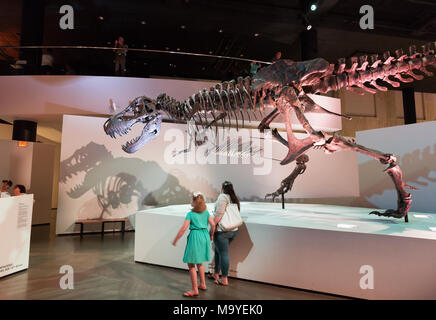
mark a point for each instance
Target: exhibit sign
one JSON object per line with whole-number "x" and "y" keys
{"x": 15, "y": 230}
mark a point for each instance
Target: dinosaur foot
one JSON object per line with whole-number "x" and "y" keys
{"x": 319, "y": 138}
{"x": 390, "y": 213}
{"x": 273, "y": 196}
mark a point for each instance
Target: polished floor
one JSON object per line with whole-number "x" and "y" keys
{"x": 104, "y": 269}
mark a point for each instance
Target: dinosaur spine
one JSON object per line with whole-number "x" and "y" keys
{"x": 226, "y": 101}
{"x": 363, "y": 72}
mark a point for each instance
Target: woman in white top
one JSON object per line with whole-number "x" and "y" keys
{"x": 222, "y": 239}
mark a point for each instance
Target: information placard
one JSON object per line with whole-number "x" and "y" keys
{"x": 15, "y": 229}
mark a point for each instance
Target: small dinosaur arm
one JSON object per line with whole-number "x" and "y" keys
{"x": 284, "y": 86}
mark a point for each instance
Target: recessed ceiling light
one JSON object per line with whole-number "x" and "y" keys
{"x": 256, "y": 34}
{"x": 101, "y": 18}
{"x": 314, "y": 6}
{"x": 182, "y": 26}
{"x": 220, "y": 30}
{"x": 142, "y": 22}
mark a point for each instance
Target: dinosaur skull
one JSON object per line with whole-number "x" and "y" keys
{"x": 140, "y": 110}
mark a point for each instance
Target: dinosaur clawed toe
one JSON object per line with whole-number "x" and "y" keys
{"x": 389, "y": 213}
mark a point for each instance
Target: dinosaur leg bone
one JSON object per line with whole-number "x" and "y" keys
{"x": 288, "y": 182}
{"x": 339, "y": 143}
{"x": 296, "y": 146}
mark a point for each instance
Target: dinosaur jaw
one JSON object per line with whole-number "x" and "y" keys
{"x": 149, "y": 132}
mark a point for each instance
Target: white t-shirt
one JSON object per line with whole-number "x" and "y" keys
{"x": 220, "y": 207}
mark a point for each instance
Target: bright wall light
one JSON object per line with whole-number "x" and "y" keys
{"x": 346, "y": 226}
{"x": 22, "y": 144}
{"x": 422, "y": 216}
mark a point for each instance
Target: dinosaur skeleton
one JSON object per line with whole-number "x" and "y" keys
{"x": 284, "y": 86}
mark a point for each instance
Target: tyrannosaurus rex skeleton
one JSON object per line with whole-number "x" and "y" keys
{"x": 284, "y": 86}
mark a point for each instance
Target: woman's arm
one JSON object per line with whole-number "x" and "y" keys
{"x": 212, "y": 227}
{"x": 181, "y": 231}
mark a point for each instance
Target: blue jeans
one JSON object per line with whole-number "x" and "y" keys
{"x": 222, "y": 240}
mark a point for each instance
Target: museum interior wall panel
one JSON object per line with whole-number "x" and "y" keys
{"x": 429, "y": 101}
{"x": 31, "y": 166}
{"x": 388, "y": 107}
{"x": 5, "y": 162}
{"x": 416, "y": 149}
{"x": 21, "y": 164}
{"x": 5, "y": 132}
{"x": 42, "y": 181}
{"x": 419, "y": 105}
{"x": 98, "y": 179}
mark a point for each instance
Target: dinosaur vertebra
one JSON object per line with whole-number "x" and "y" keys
{"x": 285, "y": 85}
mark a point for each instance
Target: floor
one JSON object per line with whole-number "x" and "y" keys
{"x": 104, "y": 269}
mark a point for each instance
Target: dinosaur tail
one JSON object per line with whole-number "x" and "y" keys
{"x": 374, "y": 72}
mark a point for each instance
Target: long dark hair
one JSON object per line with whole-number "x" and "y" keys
{"x": 228, "y": 189}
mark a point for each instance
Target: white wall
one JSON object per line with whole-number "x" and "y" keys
{"x": 31, "y": 166}
{"x": 91, "y": 161}
{"x": 415, "y": 145}
{"x": 42, "y": 181}
{"x": 46, "y": 97}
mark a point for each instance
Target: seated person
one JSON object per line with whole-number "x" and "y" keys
{"x": 6, "y": 186}
{"x": 19, "y": 190}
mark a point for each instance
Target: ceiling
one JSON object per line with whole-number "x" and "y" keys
{"x": 226, "y": 27}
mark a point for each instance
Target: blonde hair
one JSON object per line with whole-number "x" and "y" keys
{"x": 198, "y": 202}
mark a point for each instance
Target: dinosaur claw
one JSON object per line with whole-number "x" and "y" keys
{"x": 389, "y": 213}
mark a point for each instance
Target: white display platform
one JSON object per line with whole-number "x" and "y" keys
{"x": 15, "y": 228}
{"x": 314, "y": 247}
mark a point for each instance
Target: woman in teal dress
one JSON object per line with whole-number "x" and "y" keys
{"x": 197, "y": 248}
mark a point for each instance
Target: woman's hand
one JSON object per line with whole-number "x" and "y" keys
{"x": 211, "y": 237}
{"x": 174, "y": 242}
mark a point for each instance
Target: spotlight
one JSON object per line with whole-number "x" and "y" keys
{"x": 313, "y": 6}
{"x": 306, "y": 23}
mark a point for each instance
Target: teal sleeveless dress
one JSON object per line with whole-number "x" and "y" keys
{"x": 198, "y": 245}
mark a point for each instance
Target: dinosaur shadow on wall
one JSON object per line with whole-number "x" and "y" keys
{"x": 417, "y": 167}
{"x": 118, "y": 182}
